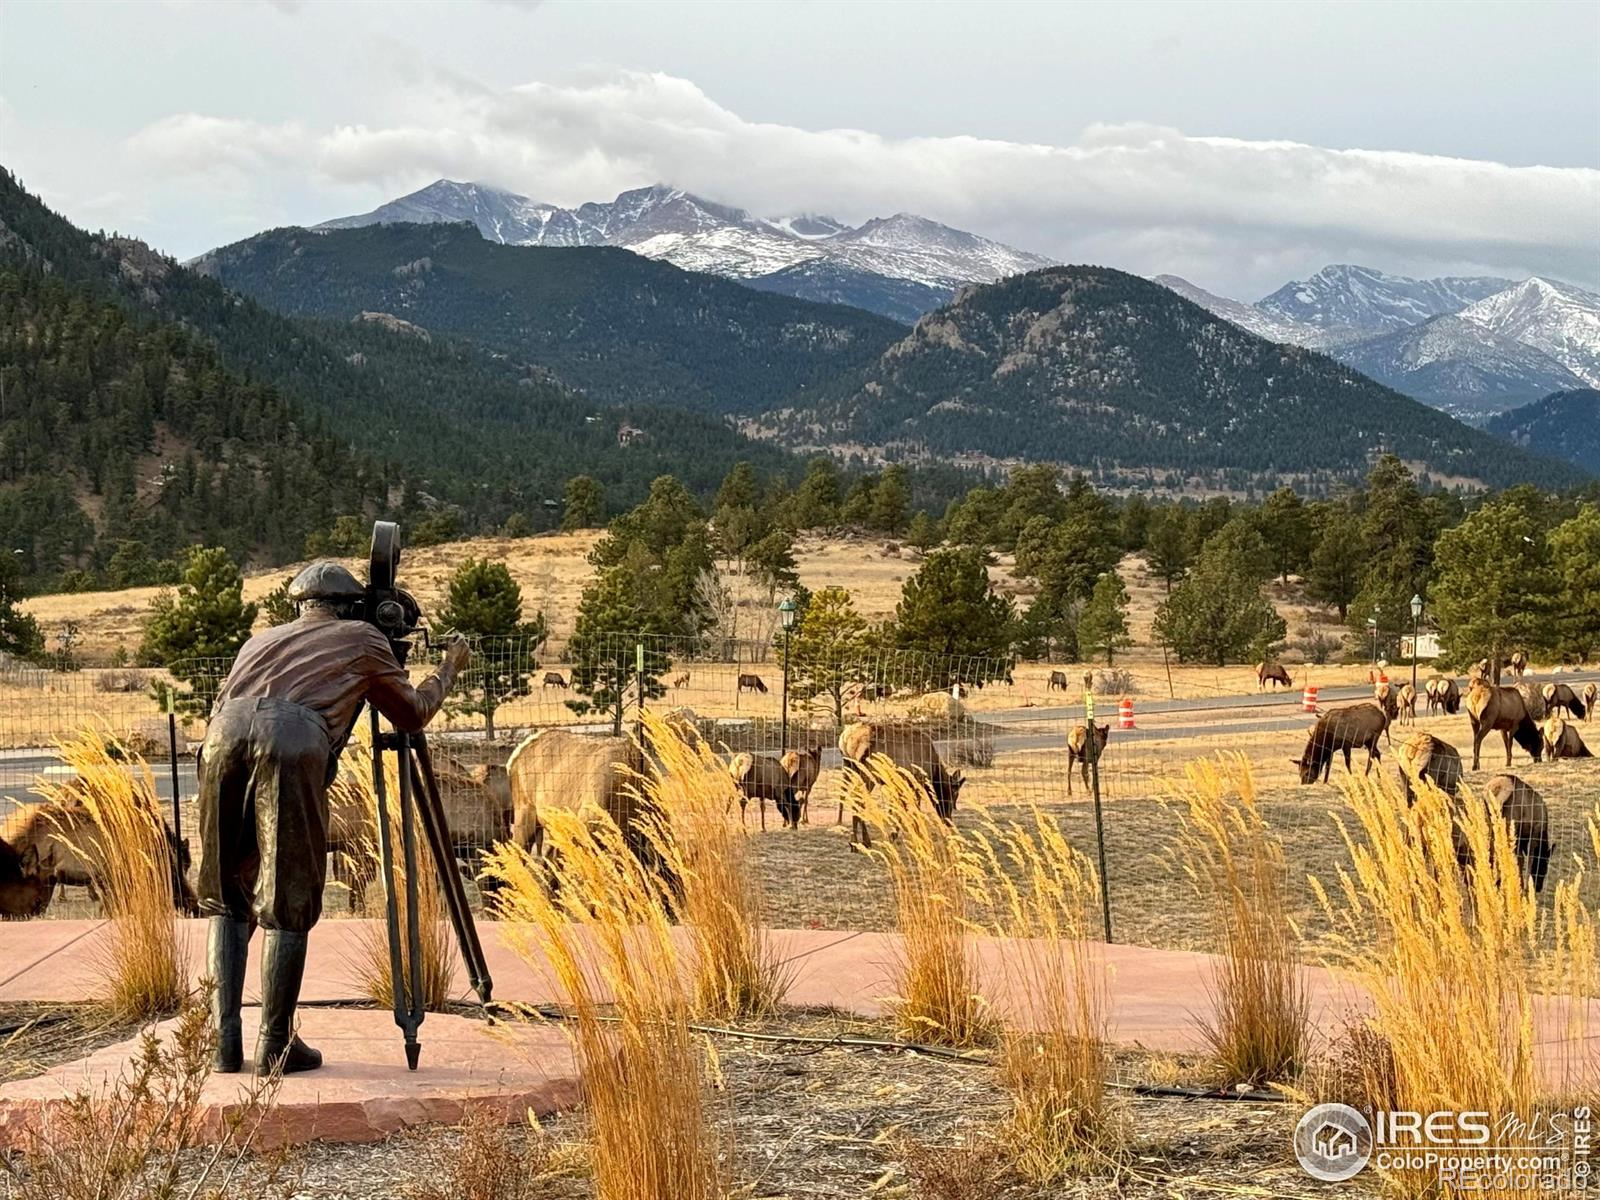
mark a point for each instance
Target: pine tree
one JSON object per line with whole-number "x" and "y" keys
{"x": 197, "y": 633}
{"x": 923, "y": 532}
{"x": 890, "y": 498}
{"x": 1495, "y": 590}
{"x": 1168, "y": 548}
{"x": 1218, "y": 614}
{"x": 948, "y": 610}
{"x": 1286, "y": 528}
{"x": 485, "y": 604}
{"x": 827, "y": 649}
{"x": 611, "y": 623}
{"x": 276, "y": 605}
{"x": 815, "y": 503}
{"x": 1575, "y": 556}
{"x": 585, "y": 505}
{"x": 20, "y": 635}
{"x": 1103, "y": 625}
{"x": 1334, "y": 573}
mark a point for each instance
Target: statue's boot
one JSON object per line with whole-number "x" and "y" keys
{"x": 227, "y": 948}
{"x": 283, "y": 964}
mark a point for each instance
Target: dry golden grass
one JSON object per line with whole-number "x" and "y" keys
{"x": 124, "y": 845}
{"x": 1258, "y": 1027}
{"x": 737, "y": 970}
{"x": 372, "y": 970}
{"x": 1053, "y": 1051}
{"x": 936, "y": 880}
{"x": 1456, "y": 962}
{"x": 601, "y": 931}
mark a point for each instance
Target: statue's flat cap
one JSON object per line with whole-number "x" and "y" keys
{"x": 325, "y": 581}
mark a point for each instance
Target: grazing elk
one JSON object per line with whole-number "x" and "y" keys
{"x": 1562, "y": 740}
{"x": 62, "y": 835}
{"x": 803, "y": 766}
{"x": 1341, "y": 730}
{"x": 761, "y": 777}
{"x": 1519, "y": 663}
{"x": 25, "y": 891}
{"x": 909, "y": 749}
{"x": 1449, "y": 695}
{"x": 1504, "y": 709}
{"x": 1425, "y": 757}
{"x": 1525, "y": 811}
{"x": 1408, "y": 704}
{"x": 1078, "y": 750}
{"x": 1271, "y": 672}
{"x": 682, "y": 681}
{"x": 558, "y": 769}
{"x": 1388, "y": 700}
{"x": 750, "y": 683}
{"x": 1560, "y": 695}
{"x": 554, "y": 679}
{"x": 1058, "y": 682}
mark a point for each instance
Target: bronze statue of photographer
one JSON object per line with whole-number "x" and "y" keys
{"x": 270, "y": 753}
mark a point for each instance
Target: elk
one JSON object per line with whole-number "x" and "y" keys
{"x": 1341, "y": 730}
{"x": 1562, "y": 740}
{"x": 761, "y": 777}
{"x": 554, "y": 679}
{"x": 1058, "y": 681}
{"x": 1078, "y": 750}
{"x": 558, "y": 769}
{"x": 1389, "y": 701}
{"x": 750, "y": 683}
{"x": 803, "y": 767}
{"x": 1425, "y": 757}
{"x": 1449, "y": 695}
{"x": 682, "y": 681}
{"x": 1504, "y": 709}
{"x": 25, "y": 891}
{"x": 1271, "y": 672}
{"x": 1559, "y": 695}
{"x": 1525, "y": 811}
{"x": 1519, "y": 663}
{"x": 909, "y": 749}
{"x": 1591, "y": 693}
{"x": 1408, "y": 704}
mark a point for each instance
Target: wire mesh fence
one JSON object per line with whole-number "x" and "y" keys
{"x": 1004, "y": 726}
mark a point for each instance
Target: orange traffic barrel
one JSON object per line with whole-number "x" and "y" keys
{"x": 1308, "y": 698}
{"x": 1125, "y": 713}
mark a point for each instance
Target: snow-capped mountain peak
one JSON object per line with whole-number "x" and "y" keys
{"x": 1558, "y": 319}
{"x": 701, "y": 235}
{"x": 1348, "y": 301}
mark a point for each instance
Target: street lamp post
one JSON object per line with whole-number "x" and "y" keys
{"x": 1372, "y": 628}
{"x": 786, "y": 612}
{"x": 1416, "y": 637}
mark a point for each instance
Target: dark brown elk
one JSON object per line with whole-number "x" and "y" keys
{"x": 1271, "y": 672}
{"x": 1341, "y": 730}
{"x": 62, "y": 835}
{"x": 803, "y": 766}
{"x": 1058, "y": 682}
{"x": 554, "y": 679}
{"x": 1425, "y": 757}
{"x": 761, "y": 777}
{"x": 1524, "y": 810}
{"x": 24, "y": 890}
{"x": 1504, "y": 709}
{"x": 1591, "y": 694}
{"x": 911, "y": 750}
{"x": 751, "y": 683}
{"x": 1562, "y": 740}
{"x": 1078, "y": 750}
{"x": 682, "y": 681}
{"x": 1449, "y": 696}
{"x": 1560, "y": 695}
{"x": 1519, "y": 664}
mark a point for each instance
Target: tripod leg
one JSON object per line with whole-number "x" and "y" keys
{"x": 408, "y": 837}
{"x": 431, "y": 806}
{"x": 397, "y": 973}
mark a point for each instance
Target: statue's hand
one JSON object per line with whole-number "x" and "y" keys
{"x": 456, "y": 654}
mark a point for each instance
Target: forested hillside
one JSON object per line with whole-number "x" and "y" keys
{"x": 624, "y": 329}
{"x": 469, "y": 429}
{"x": 1096, "y": 368}
{"x": 1565, "y": 424}
{"x": 122, "y": 433}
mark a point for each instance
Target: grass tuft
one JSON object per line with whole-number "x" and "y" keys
{"x": 1258, "y": 1028}
{"x": 109, "y": 816}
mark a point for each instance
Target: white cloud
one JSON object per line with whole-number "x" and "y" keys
{"x": 1235, "y": 215}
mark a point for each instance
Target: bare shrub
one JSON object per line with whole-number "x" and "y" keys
{"x": 119, "y": 681}
{"x": 134, "y": 1139}
{"x": 487, "y": 1161}
{"x": 600, "y": 935}
{"x": 952, "y": 1172}
{"x": 1114, "y": 681}
{"x": 1258, "y": 1028}
{"x": 109, "y": 816}
{"x": 930, "y": 872}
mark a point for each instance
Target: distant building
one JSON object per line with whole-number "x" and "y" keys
{"x": 1426, "y": 646}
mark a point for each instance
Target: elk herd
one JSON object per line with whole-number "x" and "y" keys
{"x": 1537, "y": 719}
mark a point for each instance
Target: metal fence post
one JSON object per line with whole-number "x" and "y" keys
{"x": 172, "y": 759}
{"x": 1092, "y": 747}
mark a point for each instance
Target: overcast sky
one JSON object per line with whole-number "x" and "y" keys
{"x": 1239, "y": 145}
